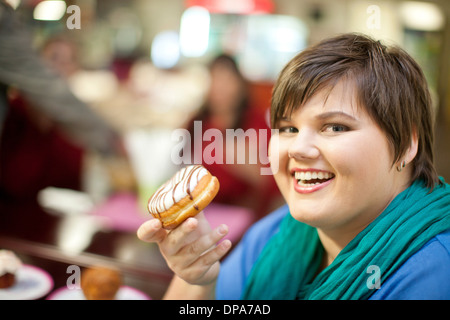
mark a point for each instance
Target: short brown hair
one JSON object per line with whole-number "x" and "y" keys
{"x": 390, "y": 85}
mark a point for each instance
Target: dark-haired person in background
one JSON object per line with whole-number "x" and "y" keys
{"x": 228, "y": 106}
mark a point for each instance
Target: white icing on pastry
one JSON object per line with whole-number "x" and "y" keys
{"x": 180, "y": 186}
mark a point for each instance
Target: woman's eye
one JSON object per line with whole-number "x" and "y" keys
{"x": 332, "y": 128}
{"x": 288, "y": 129}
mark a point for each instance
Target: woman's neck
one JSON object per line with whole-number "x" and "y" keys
{"x": 332, "y": 246}
{"x": 334, "y": 241}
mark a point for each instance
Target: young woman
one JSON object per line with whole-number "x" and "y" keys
{"x": 367, "y": 216}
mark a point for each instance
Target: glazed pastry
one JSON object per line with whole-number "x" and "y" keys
{"x": 188, "y": 192}
{"x": 100, "y": 283}
{"x": 9, "y": 264}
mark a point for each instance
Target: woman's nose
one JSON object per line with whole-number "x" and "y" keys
{"x": 304, "y": 146}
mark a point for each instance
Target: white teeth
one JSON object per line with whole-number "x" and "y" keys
{"x": 308, "y": 175}
{"x": 304, "y": 184}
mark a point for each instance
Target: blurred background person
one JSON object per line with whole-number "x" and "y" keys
{"x": 61, "y": 55}
{"x": 45, "y": 129}
{"x": 228, "y": 106}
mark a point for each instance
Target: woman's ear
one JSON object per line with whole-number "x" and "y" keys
{"x": 411, "y": 152}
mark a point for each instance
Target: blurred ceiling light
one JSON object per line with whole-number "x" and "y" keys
{"x": 13, "y": 3}
{"x": 421, "y": 16}
{"x": 165, "y": 52}
{"x": 49, "y": 10}
{"x": 194, "y": 31}
{"x": 234, "y": 6}
{"x": 288, "y": 34}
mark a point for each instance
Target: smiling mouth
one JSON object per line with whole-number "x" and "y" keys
{"x": 312, "y": 178}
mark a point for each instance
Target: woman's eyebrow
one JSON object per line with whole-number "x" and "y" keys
{"x": 335, "y": 114}
{"x": 286, "y": 119}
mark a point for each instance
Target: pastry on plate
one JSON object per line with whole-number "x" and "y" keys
{"x": 9, "y": 264}
{"x": 100, "y": 283}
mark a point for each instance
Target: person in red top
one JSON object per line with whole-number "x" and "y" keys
{"x": 35, "y": 154}
{"x": 228, "y": 107}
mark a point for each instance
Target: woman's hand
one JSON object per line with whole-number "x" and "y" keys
{"x": 191, "y": 249}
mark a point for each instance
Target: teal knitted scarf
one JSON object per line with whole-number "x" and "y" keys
{"x": 289, "y": 262}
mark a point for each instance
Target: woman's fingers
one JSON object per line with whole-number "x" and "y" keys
{"x": 197, "y": 248}
{"x": 205, "y": 268}
{"x": 191, "y": 249}
{"x": 214, "y": 255}
{"x": 151, "y": 231}
{"x": 194, "y": 260}
{"x": 180, "y": 237}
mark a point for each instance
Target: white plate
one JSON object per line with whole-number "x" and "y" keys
{"x": 31, "y": 283}
{"x": 124, "y": 293}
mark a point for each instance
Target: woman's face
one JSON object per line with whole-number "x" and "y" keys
{"x": 226, "y": 89}
{"x": 339, "y": 175}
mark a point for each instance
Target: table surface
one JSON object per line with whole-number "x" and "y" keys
{"x": 46, "y": 240}
{"x": 55, "y": 241}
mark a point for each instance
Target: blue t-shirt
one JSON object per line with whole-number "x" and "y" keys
{"x": 424, "y": 276}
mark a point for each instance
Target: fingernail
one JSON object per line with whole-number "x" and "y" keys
{"x": 223, "y": 229}
{"x": 192, "y": 223}
{"x": 226, "y": 244}
{"x": 155, "y": 224}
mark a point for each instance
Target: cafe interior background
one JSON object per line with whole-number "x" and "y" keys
{"x": 142, "y": 66}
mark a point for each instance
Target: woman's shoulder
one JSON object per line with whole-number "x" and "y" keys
{"x": 267, "y": 226}
{"x": 260, "y": 233}
{"x": 237, "y": 266}
{"x": 424, "y": 276}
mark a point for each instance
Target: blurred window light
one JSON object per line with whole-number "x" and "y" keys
{"x": 272, "y": 40}
{"x": 49, "y": 10}
{"x": 288, "y": 34}
{"x": 194, "y": 31}
{"x": 421, "y": 16}
{"x": 165, "y": 52}
{"x": 13, "y": 3}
